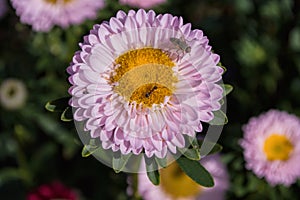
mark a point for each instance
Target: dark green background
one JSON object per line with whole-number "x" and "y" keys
{"x": 259, "y": 44}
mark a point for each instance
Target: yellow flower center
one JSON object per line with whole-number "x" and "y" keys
{"x": 277, "y": 147}
{"x": 55, "y": 1}
{"x": 177, "y": 184}
{"x": 144, "y": 76}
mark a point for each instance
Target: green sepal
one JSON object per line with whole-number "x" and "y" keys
{"x": 162, "y": 162}
{"x": 220, "y": 118}
{"x": 194, "y": 142}
{"x": 58, "y": 105}
{"x": 191, "y": 153}
{"x": 195, "y": 171}
{"x": 104, "y": 154}
{"x": 222, "y": 101}
{"x": 227, "y": 89}
{"x": 87, "y": 150}
{"x": 67, "y": 115}
{"x": 90, "y": 148}
{"x": 223, "y": 67}
{"x": 215, "y": 149}
{"x": 119, "y": 161}
{"x": 152, "y": 170}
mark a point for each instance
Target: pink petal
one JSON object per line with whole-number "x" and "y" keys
{"x": 116, "y": 25}
{"x": 105, "y": 136}
{"x": 178, "y": 140}
{"x": 157, "y": 142}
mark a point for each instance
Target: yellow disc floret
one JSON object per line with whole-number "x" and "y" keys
{"x": 177, "y": 184}
{"x": 144, "y": 76}
{"x": 277, "y": 147}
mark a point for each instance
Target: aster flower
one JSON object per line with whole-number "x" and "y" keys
{"x": 142, "y": 3}
{"x": 175, "y": 185}
{"x": 13, "y": 94}
{"x": 44, "y": 14}
{"x": 271, "y": 147}
{"x": 54, "y": 190}
{"x": 139, "y": 92}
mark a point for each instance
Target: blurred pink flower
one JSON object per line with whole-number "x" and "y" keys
{"x": 134, "y": 96}
{"x": 55, "y": 190}
{"x": 3, "y": 8}
{"x": 272, "y": 148}
{"x": 44, "y": 14}
{"x": 176, "y": 185}
{"x": 142, "y": 3}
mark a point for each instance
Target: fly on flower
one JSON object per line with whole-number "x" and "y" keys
{"x": 152, "y": 90}
{"x": 181, "y": 45}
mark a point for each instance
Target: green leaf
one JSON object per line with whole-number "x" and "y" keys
{"x": 220, "y": 118}
{"x": 161, "y": 162}
{"x": 227, "y": 89}
{"x": 192, "y": 154}
{"x": 8, "y": 174}
{"x": 153, "y": 177}
{"x": 67, "y": 115}
{"x": 119, "y": 161}
{"x": 195, "y": 171}
{"x": 46, "y": 152}
{"x": 58, "y": 105}
{"x": 54, "y": 129}
{"x": 152, "y": 171}
{"x": 215, "y": 149}
{"x": 295, "y": 39}
{"x": 23, "y": 135}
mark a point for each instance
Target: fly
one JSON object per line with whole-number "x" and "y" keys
{"x": 150, "y": 92}
{"x": 181, "y": 44}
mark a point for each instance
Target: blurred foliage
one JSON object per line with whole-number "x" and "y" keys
{"x": 259, "y": 44}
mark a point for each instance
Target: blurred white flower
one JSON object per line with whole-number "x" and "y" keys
{"x": 13, "y": 94}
